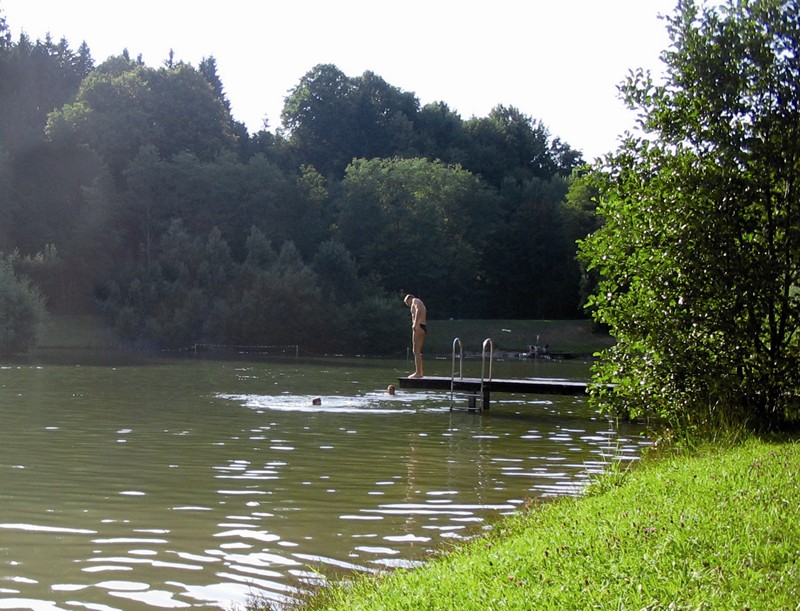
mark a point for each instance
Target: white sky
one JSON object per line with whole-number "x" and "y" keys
{"x": 558, "y": 61}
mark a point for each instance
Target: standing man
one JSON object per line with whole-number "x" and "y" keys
{"x": 419, "y": 329}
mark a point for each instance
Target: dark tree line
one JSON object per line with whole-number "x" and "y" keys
{"x": 133, "y": 188}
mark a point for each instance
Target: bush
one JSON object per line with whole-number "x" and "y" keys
{"x": 21, "y": 310}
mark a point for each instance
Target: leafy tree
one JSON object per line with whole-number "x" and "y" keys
{"x": 48, "y": 193}
{"x": 191, "y": 114}
{"x": 304, "y": 211}
{"x": 280, "y": 305}
{"x": 417, "y": 226}
{"x": 700, "y": 251}
{"x": 337, "y": 272}
{"x": 124, "y": 105}
{"x": 110, "y": 114}
{"x": 380, "y": 328}
{"x": 238, "y": 130}
{"x": 147, "y": 186}
{"x": 54, "y": 199}
{"x": 260, "y": 253}
{"x": 580, "y": 220}
{"x": 35, "y": 79}
{"x": 384, "y": 117}
{"x": 333, "y": 119}
{"x": 441, "y": 134}
{"x": 317, "y": 114}
{"x": 7, "y": 205}
{"x": 21, "y": 309}
{"x": 135, "y": 185}
{"x": 531, "y": 271}
{"x": 208, "y": 68}
{"x": 508, "y": 143}
{"x": 223, "y": 193}
{"x": 5, "y": 35}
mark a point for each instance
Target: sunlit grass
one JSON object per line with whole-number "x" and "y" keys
{"x": 719, "y": 530}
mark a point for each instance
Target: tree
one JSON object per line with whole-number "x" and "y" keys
{"x": 383, "y": 119}
{"x": 190, "y": 113}
{"x": 533, "y": 274}
{"x": 333, "y": 119}
{"x": 5, "y": 35}
{"x": 35, "y": 79}
{"x": 508, "y": 143}
{"x": 337, "y": 273}
{"x": 110, "y": 114}
{"x": 417, "y": 226}
{"x": 441, "y": 134}
{"x": 208, "y": 68}
{"x": 21, "y": 310}
{"x": 580, "y": 220}
{"x": 124, "y": 105}
{"x": 279, "y": 305}
{"x": 699, "y": 256}
{"x": 317, "y": 114}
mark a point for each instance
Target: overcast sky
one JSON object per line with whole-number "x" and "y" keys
{"x": 558, "y": 61}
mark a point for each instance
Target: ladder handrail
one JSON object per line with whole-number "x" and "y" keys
{"x": 488, "y": 341}
{"x": 456, "y": 342}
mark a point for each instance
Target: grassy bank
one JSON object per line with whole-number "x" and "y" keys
{"x": 713, "y": 531}
{"x": 571, "y": 336}
{"x": 76, "y": 331}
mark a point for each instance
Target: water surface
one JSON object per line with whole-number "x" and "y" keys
{"x": 193, "y": 482}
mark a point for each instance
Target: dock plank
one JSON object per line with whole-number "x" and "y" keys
{"x": 541, "y": 386}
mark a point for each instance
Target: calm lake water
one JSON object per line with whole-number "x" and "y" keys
{"x": 193, "y": 482}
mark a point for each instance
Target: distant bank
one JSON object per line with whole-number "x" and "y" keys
{"x": 577, "y": 337}
{"x": 562, "y": 336}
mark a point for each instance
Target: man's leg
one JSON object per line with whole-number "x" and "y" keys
{"x": 416, "y": 346}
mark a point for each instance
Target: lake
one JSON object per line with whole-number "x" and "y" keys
{"x": 148, "y": 482}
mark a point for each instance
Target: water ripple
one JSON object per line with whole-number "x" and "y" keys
{"x": 230, "y": 483}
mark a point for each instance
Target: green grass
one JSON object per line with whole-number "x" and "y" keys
{"x": 714, "y": 531}
{"x": 75, "y": 331}
{"x": 572, "y": 336}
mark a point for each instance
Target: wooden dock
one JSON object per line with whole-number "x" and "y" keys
{"x": 474, "y": 387}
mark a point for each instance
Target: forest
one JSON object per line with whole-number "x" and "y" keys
{"x": 133, "y": 191}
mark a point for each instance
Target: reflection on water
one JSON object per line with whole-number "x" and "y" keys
{"x": 194, "y": 483}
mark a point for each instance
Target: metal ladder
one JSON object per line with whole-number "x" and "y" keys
{"x": 472, "y": 397}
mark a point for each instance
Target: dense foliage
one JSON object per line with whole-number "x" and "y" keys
{"x": 21, "y": 310}
{"x": 134, "y": 188}
{"x": 699, "y": 256}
